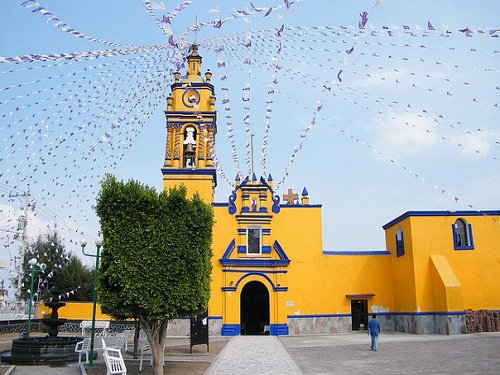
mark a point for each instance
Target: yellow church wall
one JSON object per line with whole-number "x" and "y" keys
{"x": 447, "y": 291}
{"x": 402, "y": 272}
{"x": 358, "y": 275}
{"x": 75, "y": 311}
{"x": 476, "y": 270}
{"x": 201, "y": 184}
{"x": 298, "y": 230}
{"x": 317, "y": 282}
{"x": 224, "y": 230}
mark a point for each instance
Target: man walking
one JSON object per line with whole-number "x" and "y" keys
{"x": 374, "y": 331}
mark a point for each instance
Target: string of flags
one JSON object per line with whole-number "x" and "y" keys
{"x": 35, "y": 7}
{"x": 226, "y": 102}
{"x": 68, "y": 129}
{"x": 313, "y": 81}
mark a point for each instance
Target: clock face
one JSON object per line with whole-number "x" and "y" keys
{"x": 191, "y": 98}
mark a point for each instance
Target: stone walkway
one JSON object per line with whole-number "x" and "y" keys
{"x": 254, "y": 355}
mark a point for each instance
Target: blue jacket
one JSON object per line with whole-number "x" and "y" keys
{"x": 374, "y": 327}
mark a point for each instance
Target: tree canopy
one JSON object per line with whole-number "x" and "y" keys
{"x": 63, "y": 273}
{"x": 156, "y": 255}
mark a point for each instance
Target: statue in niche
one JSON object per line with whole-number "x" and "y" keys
{"x": 254, "y": 204}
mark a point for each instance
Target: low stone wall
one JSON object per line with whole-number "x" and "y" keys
{"x": 424, "y": 324}
{"x": 19, "y": 325}
{"x": 319, "y": 325}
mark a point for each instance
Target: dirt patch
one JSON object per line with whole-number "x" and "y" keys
{"x": 185, "y": 363}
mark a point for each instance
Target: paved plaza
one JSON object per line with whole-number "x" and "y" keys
{"x": 397, "y": 353}
{"x": 343, "y": 354}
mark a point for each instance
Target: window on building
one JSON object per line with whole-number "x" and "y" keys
{"x": 462, "y": 235}
{"x": 254, "y": 241}
{"x": 400, "y": 243}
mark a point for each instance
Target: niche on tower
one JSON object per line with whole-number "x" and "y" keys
{"x": 189, "y": 147}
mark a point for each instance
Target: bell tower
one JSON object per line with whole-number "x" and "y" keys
{"x": 191, "y": 129}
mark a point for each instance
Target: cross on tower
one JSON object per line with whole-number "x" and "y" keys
{"x": 290, "y": 197}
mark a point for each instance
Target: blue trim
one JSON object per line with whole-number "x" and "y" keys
{"x": 230, "y": 330}
{"x": 427, "y": 313}
{"x": 279, "y": 330}
{"x": 253, "y": 216}
{"x": 319, "y": 316}
{"x": 280, "y": 289}
{"x": 220, "y": 204}
{"x": 469, "y": 237}
{"x": 385, "y": 313}
{"x": 266, "y": 249}
{"x": 263, "y": 271}
{"x": 254, "y": 262}
{"x": 262, "y": 274}
{"x": 229, "y": 249}
{"x": 356, "y": 252}
{"x": 187, "y": 171}
{"x": 265, "y": 232}
{"x": 301, "y": 206}
{"x": 284, "y": 261}
{"x": 186, "y": 93}
{"x": 440, "y": 213}
{"x": 400, "y": 245}
{"x": 280, "y": 251}
{"x": 215, "y": 317}
{"x": 276, "y": 204}
{"x": 231, "y": 208}
{"x": 192, "y": 84}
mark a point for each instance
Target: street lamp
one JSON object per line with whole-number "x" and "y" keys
{"x": 98, "y": 244}
{"x": 34, "y": 267}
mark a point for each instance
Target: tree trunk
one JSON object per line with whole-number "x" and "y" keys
{"x": 137, "y": 333}
{"x": 156, "y": 332}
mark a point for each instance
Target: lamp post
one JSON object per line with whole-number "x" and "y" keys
{"x": 98, "y": 244}
{"x": 34, "y": 267}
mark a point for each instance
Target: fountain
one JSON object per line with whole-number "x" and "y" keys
{"x": 51, "y": 348}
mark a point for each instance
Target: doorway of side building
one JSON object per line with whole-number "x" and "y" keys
{"x": 359, "y": 312}
{"x": 254, "y": 309}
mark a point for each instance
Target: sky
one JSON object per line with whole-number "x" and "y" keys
{"x": 397, "y": 115}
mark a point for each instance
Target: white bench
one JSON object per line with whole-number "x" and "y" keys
{"x": 114, "y": 361}
{"x": 103, "y": 325}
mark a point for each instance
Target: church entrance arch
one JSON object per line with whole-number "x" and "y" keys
{"x": 254, "y": 309}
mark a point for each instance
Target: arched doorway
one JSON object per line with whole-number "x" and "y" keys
{"x": 254, "y": 309}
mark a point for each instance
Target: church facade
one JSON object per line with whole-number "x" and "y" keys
{"x": 271, "y": 274}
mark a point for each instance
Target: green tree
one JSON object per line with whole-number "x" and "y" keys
{"x": 75, "y": 278}
{"x": 63, "y": 272}
{"x": 156, "y": 257}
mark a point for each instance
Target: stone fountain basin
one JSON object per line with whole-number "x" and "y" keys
{"x": 42, "y": 349}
